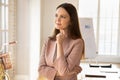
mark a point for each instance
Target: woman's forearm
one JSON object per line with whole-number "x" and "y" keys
{"x": 60, "y": 51}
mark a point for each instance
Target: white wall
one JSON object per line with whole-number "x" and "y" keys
{"x": 28, "y": 37}
{"x": 34, "y": 38}
{"x": 23, "y": 37}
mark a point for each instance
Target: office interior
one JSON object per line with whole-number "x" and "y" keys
{"x": 34, "y": 21}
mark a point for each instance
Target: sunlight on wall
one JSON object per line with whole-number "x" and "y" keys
{"x": 35, "y": 38}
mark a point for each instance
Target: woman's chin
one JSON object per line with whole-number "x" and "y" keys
{"x": 58, "y": 28}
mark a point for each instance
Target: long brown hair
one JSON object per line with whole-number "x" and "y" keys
{"x": 73, "y": 28}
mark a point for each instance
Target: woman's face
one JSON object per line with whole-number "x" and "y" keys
{"x": 62, "y": 19}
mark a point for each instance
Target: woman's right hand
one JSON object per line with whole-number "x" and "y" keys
{"x": 60, "y": 38}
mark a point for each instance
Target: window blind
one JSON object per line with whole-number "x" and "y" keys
{"x": 12, "y": 34}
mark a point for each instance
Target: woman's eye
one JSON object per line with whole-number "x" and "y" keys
{"x": 56, "y": 15}
{"x": 63, "y": 17}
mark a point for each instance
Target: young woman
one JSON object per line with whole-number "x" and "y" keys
{"x": 61, "y": 53}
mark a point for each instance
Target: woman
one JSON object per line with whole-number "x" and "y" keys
{"x": 61, "y": 53}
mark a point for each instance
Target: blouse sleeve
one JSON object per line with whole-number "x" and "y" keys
{"x": 66, "y": 65}
{"x": 44, "y": 70}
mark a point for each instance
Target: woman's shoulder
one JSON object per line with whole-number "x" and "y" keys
{"x": 78, "y": 40}
{"x": 48, "y": 40}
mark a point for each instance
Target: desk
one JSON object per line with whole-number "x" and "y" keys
{"x": 112, "y": 73}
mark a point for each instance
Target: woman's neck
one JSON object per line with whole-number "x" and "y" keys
{"x": 64, "y": 32}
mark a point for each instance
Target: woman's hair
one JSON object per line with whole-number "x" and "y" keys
{"x": 73, "y": 28}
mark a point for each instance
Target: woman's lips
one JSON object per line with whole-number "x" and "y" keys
{"x": 58, "y": 23}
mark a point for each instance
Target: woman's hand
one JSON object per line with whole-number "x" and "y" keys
{"x": 77, "y": 69}
{"x": 60, "y": 38}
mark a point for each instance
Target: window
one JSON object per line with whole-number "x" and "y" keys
{"x": 108, "y": 27}
{"x": 106, "y": 23}
{"x": 8, "y": 29}
{"x": 3, "y": 22}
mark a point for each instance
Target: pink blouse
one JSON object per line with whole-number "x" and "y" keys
{"x": 65, "y": 67}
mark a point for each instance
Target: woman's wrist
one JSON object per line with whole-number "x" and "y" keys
{"x": 59, "y": 50}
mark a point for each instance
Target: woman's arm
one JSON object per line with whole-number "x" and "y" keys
{"x": 45, "y": 70}
{"x": 67, "y": 65}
